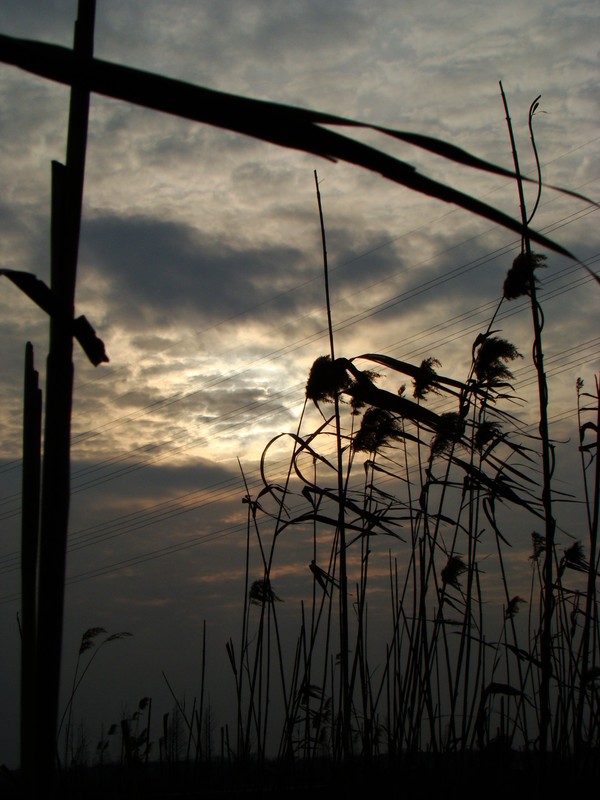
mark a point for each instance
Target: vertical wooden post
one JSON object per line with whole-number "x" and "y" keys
{"x": 67, "y": 197}
{"x": 30, "y": 526}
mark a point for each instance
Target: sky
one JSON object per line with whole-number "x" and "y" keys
{"x": 201, "y": 269}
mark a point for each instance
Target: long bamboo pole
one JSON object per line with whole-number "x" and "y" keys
{"x": 67, "y": 197}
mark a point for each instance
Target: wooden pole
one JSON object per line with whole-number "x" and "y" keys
{"x": 30, "y": 526}
{"x": 67, "y": 197}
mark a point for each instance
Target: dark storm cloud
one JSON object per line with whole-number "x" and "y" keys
{"x": 239, "y": 411}
{"x": 50, "y": 20}
{"x": 236, "y": 28}
{"x": 145, "y": 479}
{"x": 25, "y": 243}
{"x": 160, "y": 272}
{"x": 165, "y": 273}
{"x": 298, "y": 27}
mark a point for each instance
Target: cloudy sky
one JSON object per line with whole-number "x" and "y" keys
{"x": 200, "y": 268}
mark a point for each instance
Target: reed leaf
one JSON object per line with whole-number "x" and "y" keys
{"x": 497, "y": 486}
{"x": 323, "y": 578}
{"x": 439, "y": 381}
{"x": 363, "y": 391}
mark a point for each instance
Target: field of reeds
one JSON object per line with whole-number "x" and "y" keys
{"x": 461, "y": 682}
{"x": 421, "y": 660}
{"x": 415, "y": 663}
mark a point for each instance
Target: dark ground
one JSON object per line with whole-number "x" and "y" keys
{"x": 482, "y": 776}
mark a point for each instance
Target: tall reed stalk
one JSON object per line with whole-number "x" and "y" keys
{"x": 529, "y": 263}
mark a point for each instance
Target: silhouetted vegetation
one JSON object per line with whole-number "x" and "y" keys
{"x": 474, "y": 684}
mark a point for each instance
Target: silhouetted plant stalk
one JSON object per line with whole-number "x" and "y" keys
{"x": 587, "y": 656}
{"x": 524, "y": 268}
{"x": 421, "y": 679}
{"x": 86, "y": 645}
{"x": 345, "y": 704}
{"x": 254, "y": 667}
